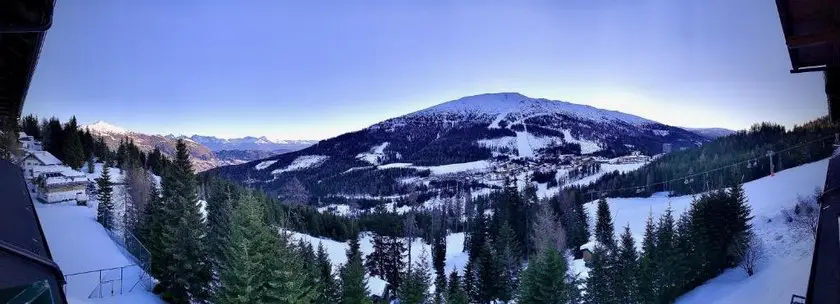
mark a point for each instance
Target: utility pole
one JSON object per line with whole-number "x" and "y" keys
{"x": 770, "y": 157}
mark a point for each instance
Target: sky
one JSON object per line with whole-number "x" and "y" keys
{"x": 317, "y": 69}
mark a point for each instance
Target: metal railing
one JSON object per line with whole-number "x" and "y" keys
{"x": 109, "y": 281}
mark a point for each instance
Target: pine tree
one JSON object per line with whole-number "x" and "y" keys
{"x": 151, "y": 230}
{"x": 488, "y": 271}
{"x": 455, "y": 293}
{"x": 188, "y": 269}
{"x": 353, "y": 283}
{"x": 544, "y": 281}
{"x": 686, "y": 261}
{"x": 219, "y": 210}
{"x": 648, "y": 265}
{"x": 105, "y": 208}
{"x": 74, "y": 154}
{"x": 394, "y": 264}
{"x": 507, "y": 251}
{"x": 376, "y": 262}
{"x": 261, "y": 267}
{"x": 327, "y": 292}
{"x": 600, "y": 284}
{"x": 439, "y": 259}
{"x": 666, "y": 257}
{"x": 604, "y": 229}
{"x": 415, "y": 287}
{"x": 626, "y": 269}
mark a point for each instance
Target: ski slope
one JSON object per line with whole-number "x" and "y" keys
{"x": 785, "y": 270}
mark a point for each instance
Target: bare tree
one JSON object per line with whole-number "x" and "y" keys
{"x": 294, "y": 192}
{"x": 410, "y": 230}
{"x": 805, "y": 215}
{"x": 136, "y": 196}
{"x": 547, "y": 232}
{"x": 750, "y": 249}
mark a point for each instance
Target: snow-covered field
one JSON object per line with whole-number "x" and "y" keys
{"x": 456, "y": 258}
{"x": 785, "y": 270}
{"x": 302, "y": 162}
{"x": 375, "y": 156}
{"x": 264, "y": 164}
{"x": 443, "y": 169}
{"x": 80, "y": 244}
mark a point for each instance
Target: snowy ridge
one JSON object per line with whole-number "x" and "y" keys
{"x": 104, "y": 127}
{"x": 499, "y": 105}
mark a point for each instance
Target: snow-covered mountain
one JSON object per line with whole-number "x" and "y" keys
{"x": 203, "y": 157}
{"x": 261, "y": 143}
{"x": 711, "y": 132}
{"x": 476, "y": 132}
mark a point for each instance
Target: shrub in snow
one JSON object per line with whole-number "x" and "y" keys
{"x": 805, "y": 215}
{"x": 750, "y": 250}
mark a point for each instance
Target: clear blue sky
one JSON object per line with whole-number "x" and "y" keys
{"x": 314, "y": 69}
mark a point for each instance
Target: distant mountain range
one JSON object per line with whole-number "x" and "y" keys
{"x": 394, "y": 155}
{"x": 711, "y": 132}
{"x": 206, "y": 151}
{"x": 261, "y": 143}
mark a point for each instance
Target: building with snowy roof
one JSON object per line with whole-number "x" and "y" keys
{"x": 35, "y": 159}
{"x": 61, "y": 185}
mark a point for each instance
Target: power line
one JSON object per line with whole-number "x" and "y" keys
{"x": 693, "y": 175}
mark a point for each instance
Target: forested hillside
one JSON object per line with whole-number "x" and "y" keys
{"x": 739, "y": 157}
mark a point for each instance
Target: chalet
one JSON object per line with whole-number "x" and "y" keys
{"x": 35, "y": 159}
{"x": 62, "y": 185}
{"x": 585, "y": 252}
{"x": 28, "y": 143}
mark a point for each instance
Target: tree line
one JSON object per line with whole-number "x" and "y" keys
{"x": 752, "y": 144}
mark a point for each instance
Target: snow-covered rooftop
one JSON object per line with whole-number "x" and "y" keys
{"x": 44, "y": 157}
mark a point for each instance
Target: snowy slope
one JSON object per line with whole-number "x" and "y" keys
{"x": 786, "y": 269}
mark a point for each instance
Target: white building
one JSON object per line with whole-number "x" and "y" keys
{"x": 37, "y": 159}
{"x": 28, "y": 143}
{"x": 63, "y": 185}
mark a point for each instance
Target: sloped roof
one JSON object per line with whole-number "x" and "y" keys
{"x": 44, "y": 157}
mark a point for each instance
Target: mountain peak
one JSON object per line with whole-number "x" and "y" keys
{"x": 103, "y": 127}
{"x": 501, "y": 104}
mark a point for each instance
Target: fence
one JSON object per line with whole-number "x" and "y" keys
{"x": 118, "y": 280}
{"x": 108, "y": 282}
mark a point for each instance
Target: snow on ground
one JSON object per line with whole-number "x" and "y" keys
{"x": 456, "y": 258}
{"x": 523, "y": 145}
{"x": 375, "y": 155}
{"x": 586, "y": 146}
{"x": 784, "y": 272}
{"x": 443, "y": 169}
{"x": 338, "y": 209}
{"x": 78, "y": 244}
{"x": 544, "y": 192}
{"x": 302, "y": 162}
{"x": 459, "y": 167}
{"x": 264, "y": 164}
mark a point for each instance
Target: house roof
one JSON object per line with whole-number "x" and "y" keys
{"x": 44, "y": 157}
{"x": 811, "y": 33}
{"x": 23, "y": 247}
